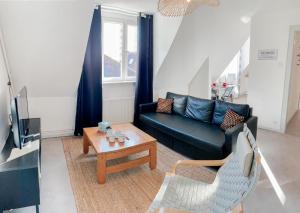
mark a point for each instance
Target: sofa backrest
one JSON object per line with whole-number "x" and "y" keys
{"x": 204, "y": 109}
{"x": 179, "y": 104}
{"x": 221, "y": 107}
{"x": 200, "y": 109}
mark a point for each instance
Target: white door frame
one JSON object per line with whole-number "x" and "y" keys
{"x": 284, "y": 121}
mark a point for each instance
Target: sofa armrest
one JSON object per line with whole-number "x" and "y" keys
{"x": 252, "y": 125}
{"x": 149, "y": 107}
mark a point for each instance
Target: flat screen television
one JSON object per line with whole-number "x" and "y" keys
{"x": 20, "y": 118}
{"x": 4, "y": 118}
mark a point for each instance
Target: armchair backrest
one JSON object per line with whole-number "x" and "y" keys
{"x": 231, "y": 186}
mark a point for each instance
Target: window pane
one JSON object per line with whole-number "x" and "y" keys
{"x": 132, "y": 57}
{"x": 112, "y": 49}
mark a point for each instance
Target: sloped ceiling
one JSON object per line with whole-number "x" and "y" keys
{"x": 45, "y": 43}
{"x": 214, "y": 33}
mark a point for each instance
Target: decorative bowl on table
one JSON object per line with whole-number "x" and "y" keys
{"x": 104, "y": 126}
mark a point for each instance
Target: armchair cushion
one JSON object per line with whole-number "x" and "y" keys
{"x": 199, "y": 109}
{"x": 179, "y": 103}
{"x": 245, "y": 153}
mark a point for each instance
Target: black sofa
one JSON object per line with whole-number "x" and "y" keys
{"x": 193, "y": 128}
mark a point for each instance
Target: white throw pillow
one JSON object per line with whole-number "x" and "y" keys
{"x": 245, "y": 153}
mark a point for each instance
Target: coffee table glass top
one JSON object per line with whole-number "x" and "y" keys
{"x": 135, "y": 137}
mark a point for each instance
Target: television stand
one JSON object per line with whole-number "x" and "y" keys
{"x": 20, "y": 172}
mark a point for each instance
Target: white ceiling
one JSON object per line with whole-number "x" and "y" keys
{"x": 132, "y": 5}
{"x": 151, "y": 5}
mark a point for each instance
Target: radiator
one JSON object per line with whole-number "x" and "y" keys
{"x": 118, "y": 110}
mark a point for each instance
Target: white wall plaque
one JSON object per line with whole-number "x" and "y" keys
{"x": 267, "y": 54}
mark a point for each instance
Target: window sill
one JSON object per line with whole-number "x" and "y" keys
{"x": 118, "y": 82}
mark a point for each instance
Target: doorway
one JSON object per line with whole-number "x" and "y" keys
{"x": 293, "y": 106}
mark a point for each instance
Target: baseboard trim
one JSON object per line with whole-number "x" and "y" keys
{"x": 243, "y": 93}
{"x": 269, "y": 129}
{"x": 57, "y": 133}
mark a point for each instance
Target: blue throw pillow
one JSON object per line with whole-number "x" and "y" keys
{"x": 199, "y": 109}
{"x": 221, "y": 107}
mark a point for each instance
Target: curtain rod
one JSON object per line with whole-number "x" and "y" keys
{"x": 122, "y": 11}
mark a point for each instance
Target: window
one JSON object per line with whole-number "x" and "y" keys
{"x": 235, "y": 74}
{"x": 237, "y": 66}
{"x": 119, "y": 49}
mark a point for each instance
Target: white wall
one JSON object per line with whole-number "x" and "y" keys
{"x": 199, "y": 86}
{"x": 131, "y": 5}
{"x": 270, "y": 30}
{"x": 118, "y": 106}
{"x": 4, "y": 125}
{"x": 45, "y": 42}
{"x": 165, "y": 30}
{"x": 218, "y": 34}
{"x": 48, "y": 57}
{"x": 244, "y": 78}
{"x": 57, "y": 114}
{"x": 214, "y": 33}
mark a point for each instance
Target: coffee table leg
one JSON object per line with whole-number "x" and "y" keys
{"x": 86, "y": 144}
{"x": 153, "y": 156}
{"x": 101, "y": 168}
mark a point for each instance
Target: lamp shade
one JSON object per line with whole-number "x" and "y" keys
{"x": 175, "y": 8}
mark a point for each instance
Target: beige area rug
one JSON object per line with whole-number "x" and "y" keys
{"x": 130, "y": 191}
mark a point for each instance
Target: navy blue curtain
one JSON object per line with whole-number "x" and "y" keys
{"x": 144, "y": 84}
{"x": 89, "y": 96}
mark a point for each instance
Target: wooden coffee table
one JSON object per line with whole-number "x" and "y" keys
{"x": 138, "y": 141}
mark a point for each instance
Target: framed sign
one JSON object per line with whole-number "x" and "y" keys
{"x": 267, "y": 54}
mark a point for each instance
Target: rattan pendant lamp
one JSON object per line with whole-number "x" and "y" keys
{"x": 175, "y": 8}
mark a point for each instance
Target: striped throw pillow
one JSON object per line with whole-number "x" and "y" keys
{"x": 231, "y": 119}
{"x": 164, "y": 105}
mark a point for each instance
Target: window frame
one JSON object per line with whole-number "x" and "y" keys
{"x": 125, "y": 21}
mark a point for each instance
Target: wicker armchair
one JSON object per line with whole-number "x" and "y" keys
{"x": 231, "y": 186}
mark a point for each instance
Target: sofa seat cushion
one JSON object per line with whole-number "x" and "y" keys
{"x": 199, "y": 109}
{"x": 202, "y": 135}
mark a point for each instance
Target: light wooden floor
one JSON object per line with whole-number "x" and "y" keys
{"x": 279, "y": 187}
{"x": 56, "y": 192}
{"x": 293, "y": 127}
{"x": 280, "y": 151}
